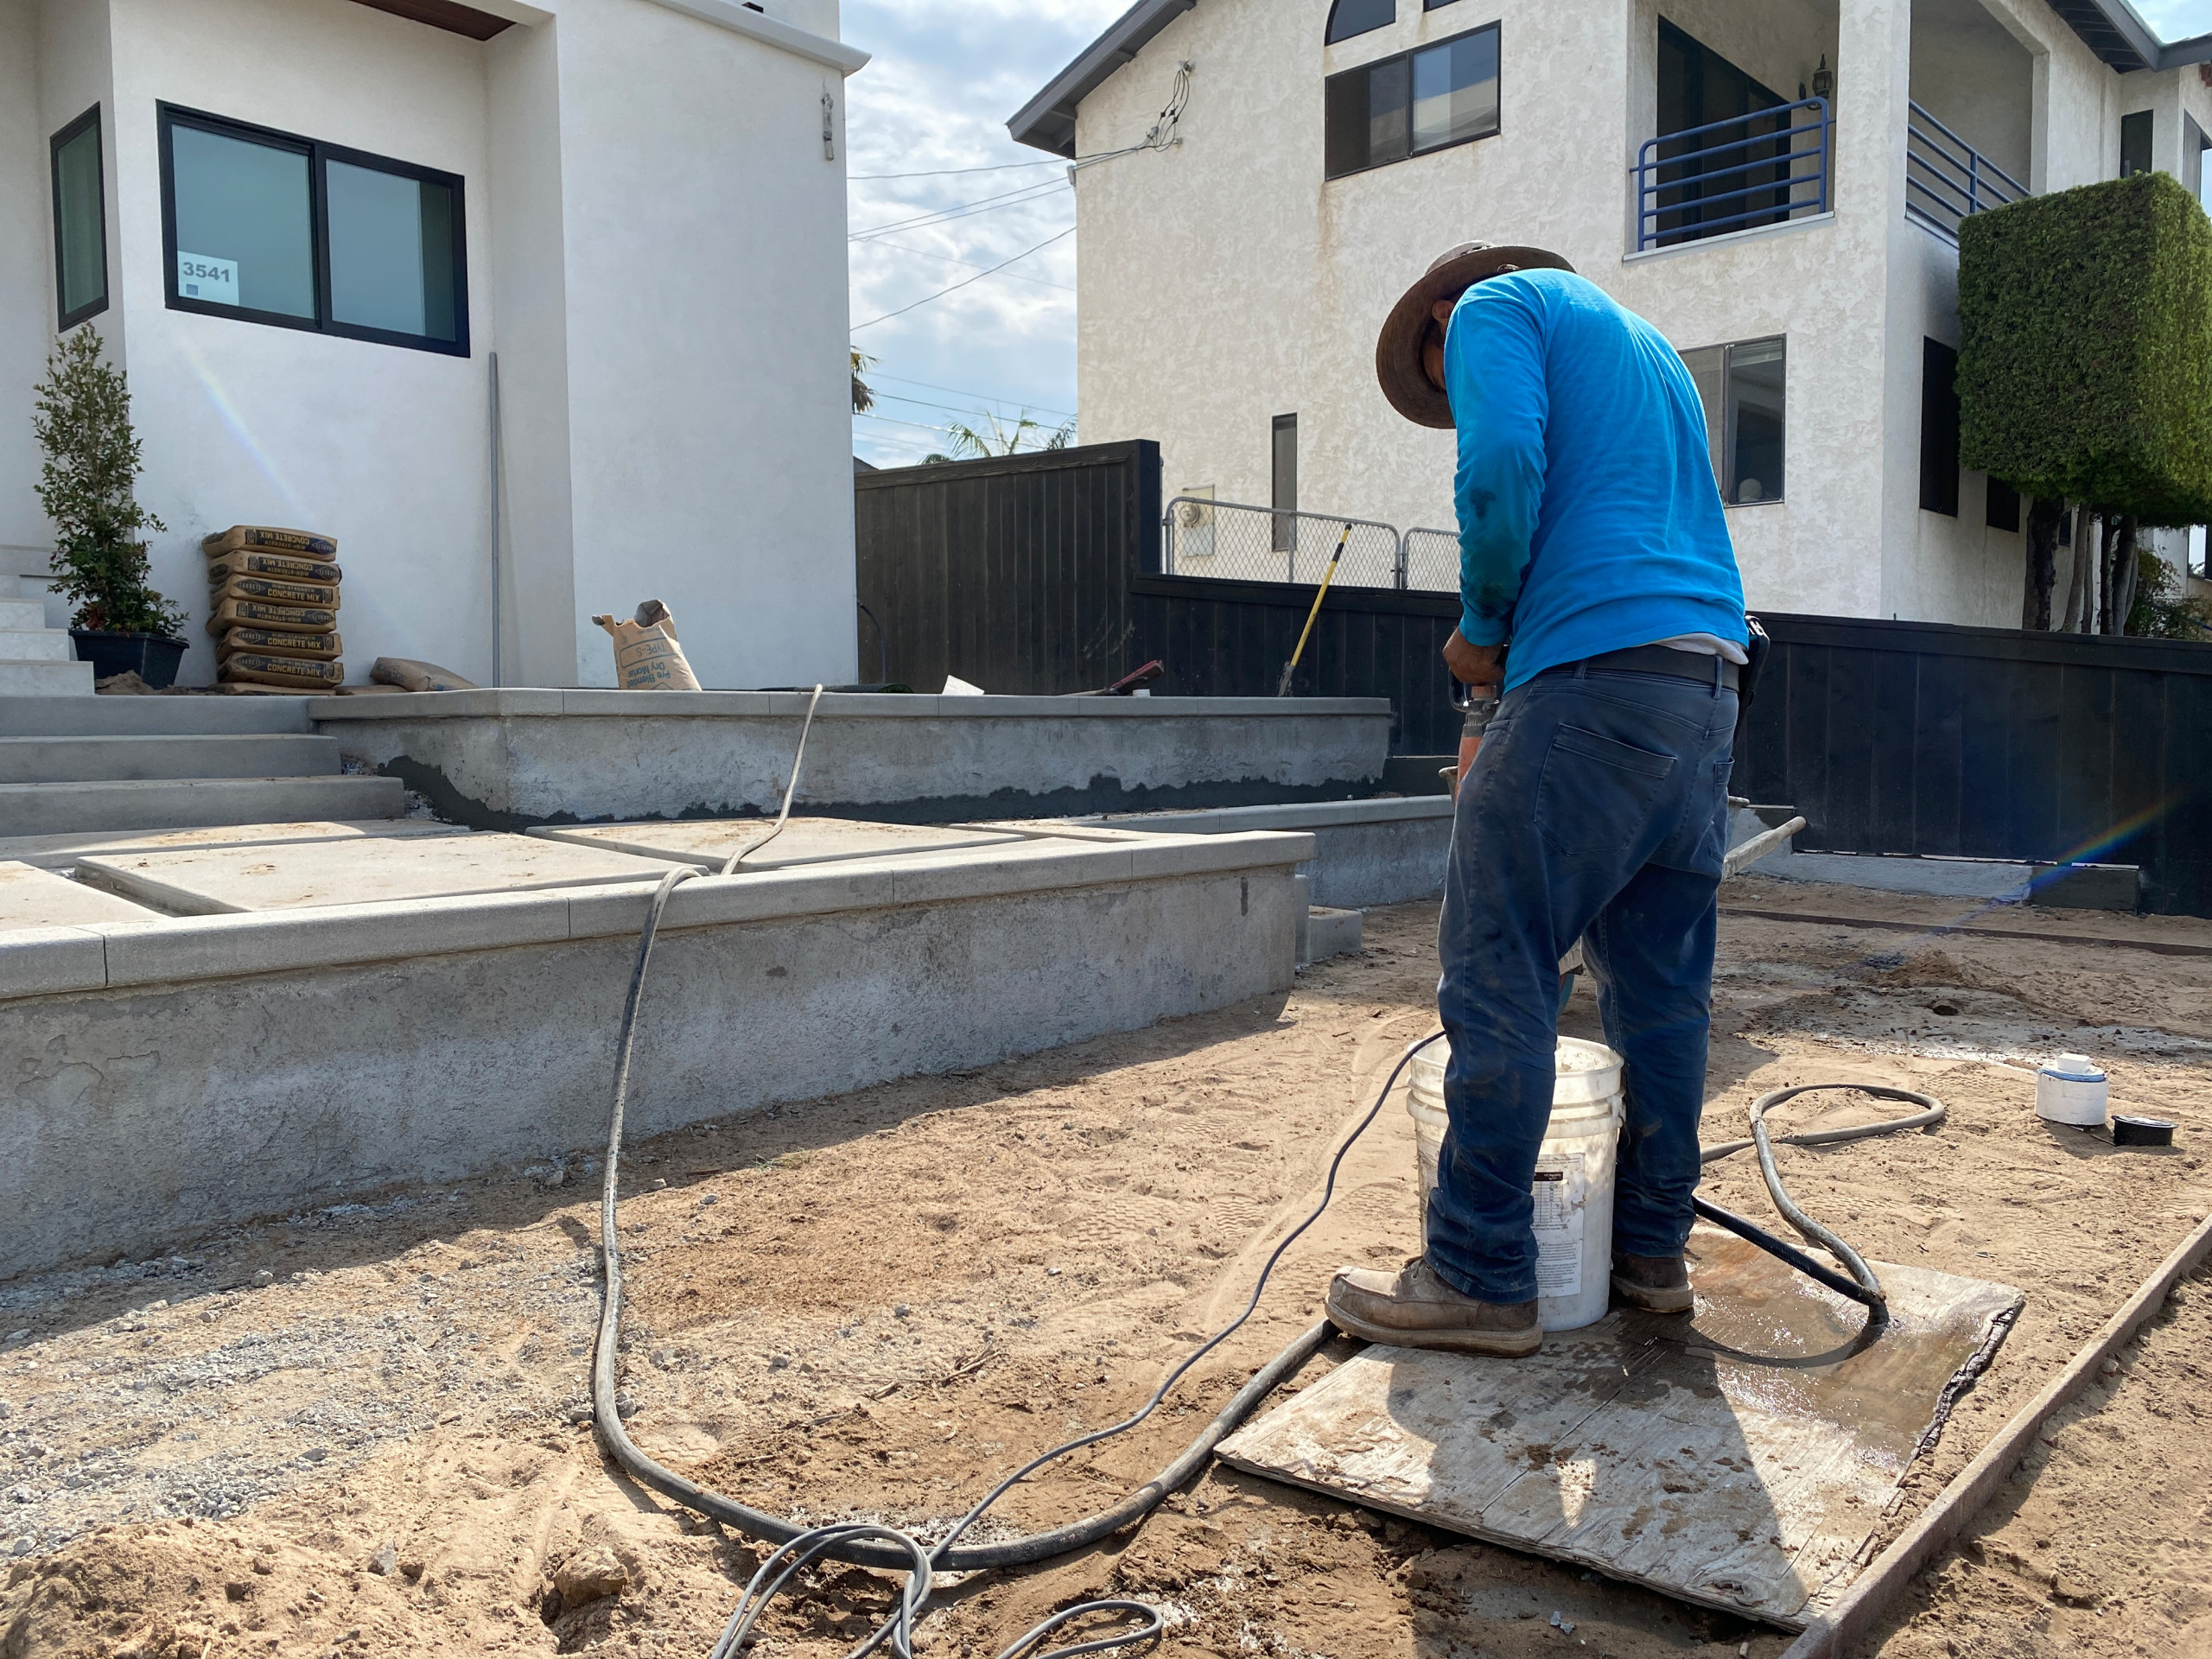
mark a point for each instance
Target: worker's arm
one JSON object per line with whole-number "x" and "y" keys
{"x": 1494, "y": 370}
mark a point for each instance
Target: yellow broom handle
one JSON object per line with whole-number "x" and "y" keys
{"x": 1327, "y": 577}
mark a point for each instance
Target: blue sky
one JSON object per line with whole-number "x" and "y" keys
{"x": 946, "y": 76}
{"x": 2177, "y": 20}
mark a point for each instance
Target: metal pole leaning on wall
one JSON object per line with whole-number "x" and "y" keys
{"x": 499, "y": 478}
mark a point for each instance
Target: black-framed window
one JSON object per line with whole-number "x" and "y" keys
{"x": 1426, "y": 99}
{"x": 1282, "y": 456}
{"x": 79, "y": 222}
{"x": 273, "y": 228}
{"x": 1939, "y": 428}
{"x": 2135, "y": 133}
{"x": 1745, "y": 388}
{"x": 2000, "y": 508}
{"x": 1351, "y": 17}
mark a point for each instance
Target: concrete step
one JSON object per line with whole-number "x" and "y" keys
{"x": 142, "y": 717}
{"x": 23, "y": 613}
{"x": 43, "y": 683}
{"x": 101, "y": 759}
{"x": 185, "y": 803}
{"x": 36, "y": 645}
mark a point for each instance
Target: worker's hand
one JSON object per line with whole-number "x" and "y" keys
{"x": 1481, "y": 665}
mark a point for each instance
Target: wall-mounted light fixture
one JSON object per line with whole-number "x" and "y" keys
{"x": 1824, "y": 80}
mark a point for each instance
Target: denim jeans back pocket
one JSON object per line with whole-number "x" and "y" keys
{"x": 1597, "y": 793}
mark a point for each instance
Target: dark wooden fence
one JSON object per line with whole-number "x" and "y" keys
{"x": 1040, "y": 573}
{"x": 1918, "y": 737}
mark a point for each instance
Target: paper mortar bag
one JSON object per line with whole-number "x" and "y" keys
{"x": 646, "y": 656}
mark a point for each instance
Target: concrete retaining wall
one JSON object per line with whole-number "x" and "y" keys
{"x": 1366, "y": 853}
{"x": 510, "y": 760}
{"x": 179, "y": 1075}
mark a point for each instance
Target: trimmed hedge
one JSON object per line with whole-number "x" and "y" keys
{"x": 2085, "y": 367}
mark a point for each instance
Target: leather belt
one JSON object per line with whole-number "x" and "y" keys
{"x": 1659, "y": 659}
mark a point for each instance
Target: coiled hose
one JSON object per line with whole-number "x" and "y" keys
{"x": 893, "y": 1549}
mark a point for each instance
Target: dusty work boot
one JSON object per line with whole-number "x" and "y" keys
{"x": 1658, "y": 1284}
{"x": 1414, "y": 1308}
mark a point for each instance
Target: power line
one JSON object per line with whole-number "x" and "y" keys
{"x": 893, "y": 420}
{"x": 954, "y": 409}
{"x": 960, "y": 391}
{"x": 955, "y": 288}
{"x": 948, "y": 172}
{"x": 930, "y": 253}
{"x": 963, "y": 210}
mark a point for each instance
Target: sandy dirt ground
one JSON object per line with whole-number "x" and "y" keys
{"x": 362, "y": 1431}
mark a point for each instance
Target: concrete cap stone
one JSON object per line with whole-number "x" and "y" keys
{"x": 31, "y": 898}
{"x": 209, "y": 880}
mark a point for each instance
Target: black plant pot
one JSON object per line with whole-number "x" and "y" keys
{"x": 152, "y": 657}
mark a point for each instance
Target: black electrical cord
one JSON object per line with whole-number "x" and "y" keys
{"x": 890, "y": 1548}
{"x": 1862, "y": 1286}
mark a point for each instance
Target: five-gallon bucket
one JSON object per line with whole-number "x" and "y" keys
{"x": 1574, "y": 1173}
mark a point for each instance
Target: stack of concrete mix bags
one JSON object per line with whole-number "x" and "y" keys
{"x": 273, "y": 604}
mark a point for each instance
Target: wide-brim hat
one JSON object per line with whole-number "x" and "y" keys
{"x": 1405, "y": 331}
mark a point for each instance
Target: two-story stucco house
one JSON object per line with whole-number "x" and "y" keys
{"x": 544, "y": 292}
{"x": 1776, "y": 184}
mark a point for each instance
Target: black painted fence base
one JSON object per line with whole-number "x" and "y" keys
{"x": 1040, "y": 575}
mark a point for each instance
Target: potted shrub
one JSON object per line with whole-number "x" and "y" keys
{"x": 85, "y": 484}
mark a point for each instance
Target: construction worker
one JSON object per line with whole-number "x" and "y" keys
{"x": 1591, "y": 538}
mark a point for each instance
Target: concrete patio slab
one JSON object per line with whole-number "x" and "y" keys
{"x": 211, "y": 881}
{"x": 804, "y": 840}
{"x": 61, "y": 852}
{"x": 34, "y": 898}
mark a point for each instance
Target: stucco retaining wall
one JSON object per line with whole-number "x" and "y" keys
{"x": 179, "y": 1075}
{"x": 1365, "y": 853}
{"x": 509, "y": 760}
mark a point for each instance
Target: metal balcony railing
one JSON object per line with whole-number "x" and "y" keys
{"x": 1947, "y": 180}
{"x": 1761, "y": 169}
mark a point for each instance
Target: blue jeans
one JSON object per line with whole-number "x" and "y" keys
{"x": 1597, "y": 811}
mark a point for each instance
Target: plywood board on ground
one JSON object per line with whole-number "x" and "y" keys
{"x": 60, "y": 852}
{"x": 805, "y": 841}
{"x": 1742, "y": 1459}
{"x": 208, "y": 880}
{"x": 31, "y": 897}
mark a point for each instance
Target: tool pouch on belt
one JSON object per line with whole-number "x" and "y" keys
{"x": 1747, "y": 677}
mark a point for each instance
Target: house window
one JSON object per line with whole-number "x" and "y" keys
{"x": 1714, "y": 181}
{"x": 1441, "y": 95}
{"x": 1742, "y": 386}
{"x": 1939, "y": 428}
{"x": 2134, "y": 144}
{"x": 79, "y": 221}
{"x": 2001, "y": 510}
{"x": 1351, "y": 17}
{"x": 1283, "y": 492}
{"x": 272, "y": 228}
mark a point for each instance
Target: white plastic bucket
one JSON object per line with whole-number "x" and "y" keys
{"x": 2071, "y": 1089}
{"x": 1574, "y": 1173}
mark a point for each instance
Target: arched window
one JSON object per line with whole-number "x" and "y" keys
{"x": 1351, "y": 17}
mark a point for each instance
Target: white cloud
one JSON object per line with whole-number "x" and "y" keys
{"x": 2177, "y": 20}
{"x": 946, "y": 76}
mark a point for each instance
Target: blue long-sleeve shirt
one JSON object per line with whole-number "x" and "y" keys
{"x": 1589, "y": 520}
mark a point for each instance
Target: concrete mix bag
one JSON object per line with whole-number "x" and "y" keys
{"x": 646, "y": 655}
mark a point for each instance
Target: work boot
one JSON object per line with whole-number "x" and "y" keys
{"x": 1414, "y": 1308}
{"x": 1658, "y": 1284}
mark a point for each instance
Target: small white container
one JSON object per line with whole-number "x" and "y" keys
{"x": 1574, "y": 1173}
{"x": 2071, "y": 1089}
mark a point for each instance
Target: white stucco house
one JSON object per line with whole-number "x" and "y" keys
{"x": 548, "y": 295}
{"x": 1776, "y": 184}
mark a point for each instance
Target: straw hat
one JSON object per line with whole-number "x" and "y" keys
{"x": 1405, "y": 331}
